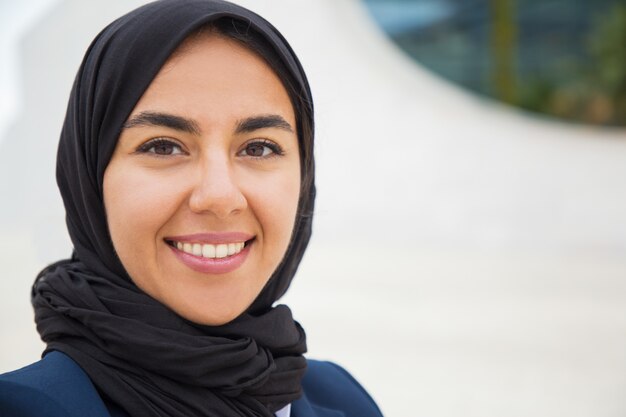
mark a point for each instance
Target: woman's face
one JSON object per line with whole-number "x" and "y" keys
{"x": 202, "y": 190}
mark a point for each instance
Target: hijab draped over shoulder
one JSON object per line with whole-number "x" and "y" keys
{"x": 139, "y": 354}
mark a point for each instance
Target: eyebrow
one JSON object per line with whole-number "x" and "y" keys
{"x": 149, "y": 118}
{"x": 250, "y": 124}
{"x": 247, "y": 125}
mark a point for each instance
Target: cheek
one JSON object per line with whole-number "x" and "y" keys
{"x": 131, "y": 199}
{"x": 275, "y": 203}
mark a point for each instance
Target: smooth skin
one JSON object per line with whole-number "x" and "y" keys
{"x": 195, "y": 170}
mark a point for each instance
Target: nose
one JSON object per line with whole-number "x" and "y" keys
{"x": 216, "y": 189}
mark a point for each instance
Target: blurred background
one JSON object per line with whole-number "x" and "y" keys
{"x": 559, "y": 58}
{"x": 469, "y": 255}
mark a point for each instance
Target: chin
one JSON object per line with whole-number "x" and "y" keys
{"x": 212, "y": 319}
{"x": 216, "y": 315}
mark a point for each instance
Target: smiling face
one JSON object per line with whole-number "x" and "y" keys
{"x": 202, "y": 190}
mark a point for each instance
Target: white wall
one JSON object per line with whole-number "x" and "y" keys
{"x": 467, "y": 259}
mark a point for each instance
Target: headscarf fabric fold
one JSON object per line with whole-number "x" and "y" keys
{"x": 139, "y": 354}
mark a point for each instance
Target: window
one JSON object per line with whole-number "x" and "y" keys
{"x": 561, "y": 58}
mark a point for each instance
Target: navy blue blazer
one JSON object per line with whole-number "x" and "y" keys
{"x": 57, "y": 387}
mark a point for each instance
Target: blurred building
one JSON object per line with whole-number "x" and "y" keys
{"x": 564, "y": 58}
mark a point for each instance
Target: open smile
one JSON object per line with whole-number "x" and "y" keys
{"x": 208, "y": 250}
{"x": 224, "y": 254}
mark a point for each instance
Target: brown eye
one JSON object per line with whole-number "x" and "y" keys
{"x": 261, "y": 149}
{"x": 161, "y": 147}
{"x": 256, "y": 149}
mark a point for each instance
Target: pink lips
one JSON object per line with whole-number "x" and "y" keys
{"x": 213, "y": 265}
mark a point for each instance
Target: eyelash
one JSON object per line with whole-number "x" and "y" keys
{"x": 276, "y": 149}
{"x": 149, "y": 147}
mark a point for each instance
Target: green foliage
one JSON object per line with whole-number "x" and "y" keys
{"x": 592, "y": 90}
{"x": 607, "y": 46}
{"x": 503, "y": 49}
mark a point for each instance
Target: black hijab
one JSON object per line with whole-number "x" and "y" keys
{"x": 139, "y": 354}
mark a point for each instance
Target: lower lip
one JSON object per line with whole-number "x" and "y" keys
{"x": 212, "y": 265}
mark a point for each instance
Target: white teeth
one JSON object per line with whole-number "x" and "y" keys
{"x": 210, "y": 251}
{"x": 221, "y": 251}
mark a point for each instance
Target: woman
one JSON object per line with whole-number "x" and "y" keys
{"x": 186, "y": 169}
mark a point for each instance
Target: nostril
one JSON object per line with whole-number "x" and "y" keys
{"x": 221, "y": 199}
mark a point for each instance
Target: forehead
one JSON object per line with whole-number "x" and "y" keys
{"x": 213, "y": 48}
{"x": 210, "y": 74}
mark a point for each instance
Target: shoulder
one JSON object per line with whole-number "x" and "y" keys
{"x": 329, "y": 386}
{"x": 52, "y": 387}
{"x": 56, "y": 386}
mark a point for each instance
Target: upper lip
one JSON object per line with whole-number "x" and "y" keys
{"x": 212, "y": 238}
